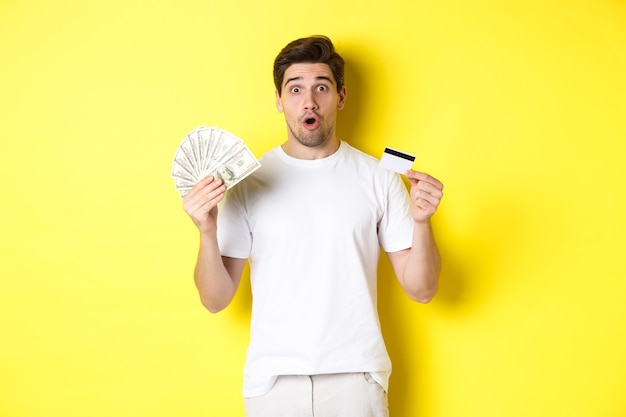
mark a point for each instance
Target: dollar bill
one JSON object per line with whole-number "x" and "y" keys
{"x": 207, "y": 141}
{"x": 237, "y": 167}
{"x": 225, "y": 146}
{"x": 211, "y": 151}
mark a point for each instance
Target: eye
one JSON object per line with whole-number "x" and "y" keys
{"x": 321, "y": 88}
{"x": 295, "y": 90}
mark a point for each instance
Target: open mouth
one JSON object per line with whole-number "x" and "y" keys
{"x": 310, "y": 123}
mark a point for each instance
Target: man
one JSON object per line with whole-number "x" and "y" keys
{"x": 311, "y": 222}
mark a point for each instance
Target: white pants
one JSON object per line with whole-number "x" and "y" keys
{"x": 334, "y": 395}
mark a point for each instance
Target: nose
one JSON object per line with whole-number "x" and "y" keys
{"x": 309, "y": 102}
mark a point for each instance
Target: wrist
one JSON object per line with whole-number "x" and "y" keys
{"x": 424, "y": 223}
{"x": 208, "y": 235}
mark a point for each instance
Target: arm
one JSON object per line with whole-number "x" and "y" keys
{"x": 418, "y": 268}
{"x": 216, "y": 277}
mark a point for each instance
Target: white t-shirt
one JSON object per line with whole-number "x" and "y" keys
{"x": 312, "y": 231}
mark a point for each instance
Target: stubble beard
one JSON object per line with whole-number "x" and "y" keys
{"x": 313, "y": 138}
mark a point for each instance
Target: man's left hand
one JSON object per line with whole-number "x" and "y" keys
{"x": 426, "y": 193}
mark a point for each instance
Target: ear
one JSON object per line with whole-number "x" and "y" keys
{"x": 342, "y": 97}
{"x": 279, "y": 104}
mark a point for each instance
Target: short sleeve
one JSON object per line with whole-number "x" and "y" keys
{"x": 233, "y": 231}
{"x": 395, "y": 229}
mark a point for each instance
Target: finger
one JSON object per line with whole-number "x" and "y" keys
{"x": 425, "y": 206}
{"x": 203, "y": 196}
{"x": 202, "y": 213}
{"x": 200, "y": 203}
{"x": 203, "y": 183}
{"x": 426, "y": 199}
{"x": 427, "y": 188}
{"x": 422, "y": 176}
{"x": 432, "y": 198}
{"x": 204, "y": 186}
{"x": 205, "y": 207}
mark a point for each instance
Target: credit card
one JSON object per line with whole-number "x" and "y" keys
{"x": 396, "y": 160}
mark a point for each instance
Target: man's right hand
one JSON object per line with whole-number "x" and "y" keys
{"x": 201, "y": 203}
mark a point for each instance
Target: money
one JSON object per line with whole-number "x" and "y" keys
{"x": 211, "y": 151}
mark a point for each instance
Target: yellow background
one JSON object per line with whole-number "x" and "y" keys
{"x": 519, "y": 107}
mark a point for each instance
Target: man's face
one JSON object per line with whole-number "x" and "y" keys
{"x": 310, "y": 102}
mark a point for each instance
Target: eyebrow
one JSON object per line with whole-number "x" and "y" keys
{"x": 319, "y": 77}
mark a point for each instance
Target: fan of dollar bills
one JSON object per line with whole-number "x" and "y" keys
{"x": 211, "y": 151}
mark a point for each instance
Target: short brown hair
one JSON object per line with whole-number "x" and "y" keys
{"x": 316, "y": 49}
